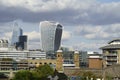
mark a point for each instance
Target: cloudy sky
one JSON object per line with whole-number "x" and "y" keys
{"x": 88, "y": 24}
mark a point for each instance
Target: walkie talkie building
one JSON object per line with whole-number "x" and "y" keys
{"x": 51, "y": 33}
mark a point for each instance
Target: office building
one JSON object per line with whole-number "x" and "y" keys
{"x": 18, "y": 41}
{"x": 13, "y": 54}
{"x": 83, "y": 56}
{"x": 22, "y": 43}
{"x": 36, "y": 55}
{"x": 111, "y": 53}
{"x": 15, "y": 34}
{"x": 51, "y": 33}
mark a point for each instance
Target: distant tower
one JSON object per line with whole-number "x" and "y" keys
{"x": 51, "y": 33}
{"x": 15, "y": 34}
{"x": 76, "y": 59}
{"x": 22, "y": 44}
{"x": 59, "y": 61}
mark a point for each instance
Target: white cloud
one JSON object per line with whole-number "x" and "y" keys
{"x": 98, "y": 32}
{"x": 34, "y": 45}
{"x": 7, "y": 36}
{"x": 90, "y": 46}
{"x": 66, "y": 35}
{"x": 33, "y": 36}
{"x": 33, "y": 39}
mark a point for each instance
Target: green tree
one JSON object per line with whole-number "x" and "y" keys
{"x": 40, "y": 73}
{"x": 44, "y": 71}
{"x": 23, "y": 75}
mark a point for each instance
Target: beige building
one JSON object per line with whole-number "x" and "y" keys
{"x": 57, "y": 63}
{"x": 111, "y": 53}
{"x": 7, "y": 64}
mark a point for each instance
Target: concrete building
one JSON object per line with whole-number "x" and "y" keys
{"x": 7, "y": 64}
{"x": 36, "y": 55}
{"x": 51, "y": 33}
{"x": 3, "y": 43}
{"x": 111, "y": 53}
{"x": 16, "y": 55}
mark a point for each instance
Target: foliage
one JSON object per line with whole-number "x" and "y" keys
{"x": 2, "y": 75}
{"x": 61, "y": 76}
{"x": 43, "y": 71}
{"x": 88, "y": 75}
{"x": 40, "y": 73}
{"x": 23, "y": 75}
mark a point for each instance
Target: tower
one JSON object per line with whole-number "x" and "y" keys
{"x": 76, "y": 59}
{"x": 22, "y": 44}
{"x": 59, "y": 61}
{"x": 51, "y": 33}
{"x": 18, "y": 41}
{"x": 15, "y": 34}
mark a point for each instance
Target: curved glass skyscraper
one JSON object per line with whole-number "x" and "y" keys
{"x": 51, "y": 33}
{"x": 17, "y": 31}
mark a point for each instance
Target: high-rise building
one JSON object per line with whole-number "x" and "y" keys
{"x": 22, "y": 44}
{"x": 51, "y": 33}
{"x": 18, "y": 41}
{"x": 15, "y": 34}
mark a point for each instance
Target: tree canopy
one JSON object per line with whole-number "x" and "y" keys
{"x": 40, "y": 73}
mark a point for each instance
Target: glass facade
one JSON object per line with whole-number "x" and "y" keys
{"x": 15, "y": 34}
{"x": 51, "y": 33}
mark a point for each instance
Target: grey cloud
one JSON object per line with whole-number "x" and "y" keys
{"x": 98, "y": 32}
{"x": 96, "y": 14}
{"x": 13, "y": 13}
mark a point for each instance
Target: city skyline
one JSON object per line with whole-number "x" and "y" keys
{"x": 88, "y": 24}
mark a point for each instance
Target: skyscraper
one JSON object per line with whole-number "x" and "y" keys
{"x": 15, "y": 34}
{"x": 22, "y": 44}
{"x": 51, "y": 33}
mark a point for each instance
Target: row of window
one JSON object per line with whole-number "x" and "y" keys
{"x": 41, "y": 63}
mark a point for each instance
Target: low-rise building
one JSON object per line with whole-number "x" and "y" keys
{"x": 111, "y": 53}
{"x": 95, "y": 62}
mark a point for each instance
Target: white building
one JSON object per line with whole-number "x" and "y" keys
{"x": 36, "y": 55}
{"x": 16, "y": 55}
{"x": 51, "y": 33}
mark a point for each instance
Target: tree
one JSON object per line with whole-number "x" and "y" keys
{"x": 44, "y": 71}
{"x": 40, "y": 73}
{"x": 23, "y": 75}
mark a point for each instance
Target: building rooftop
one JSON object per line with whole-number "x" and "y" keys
{"x": 111, "y": 46}
{"x": 115, "y": 41}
